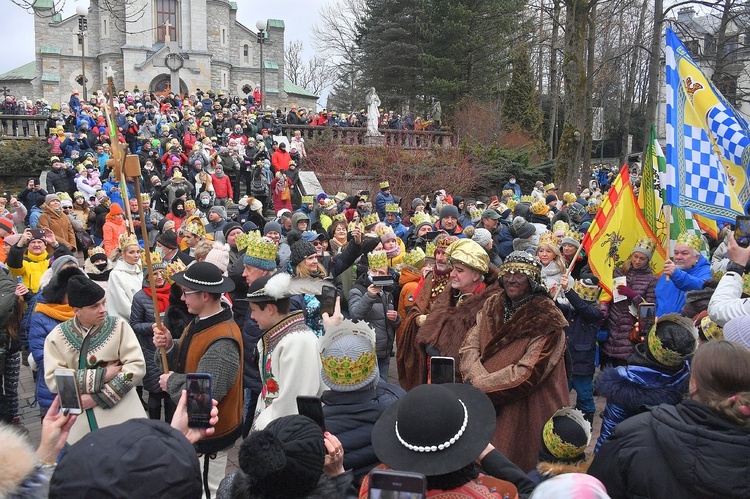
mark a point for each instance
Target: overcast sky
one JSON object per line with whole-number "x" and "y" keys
{"x": 17, "y": 36}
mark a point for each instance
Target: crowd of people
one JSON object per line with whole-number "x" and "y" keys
{"x": 499, "y": 285}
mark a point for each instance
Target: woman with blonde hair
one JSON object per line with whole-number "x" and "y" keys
{"x": 553, "y": 265}
{"x": 697, "y": 448}
{"x": 126, "y": 278}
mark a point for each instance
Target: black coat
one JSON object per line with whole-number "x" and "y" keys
{"x": 683, "y": 451}
{"x": 584, "y": 320}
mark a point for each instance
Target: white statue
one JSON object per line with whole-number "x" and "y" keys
{"x": 373, "y": 112}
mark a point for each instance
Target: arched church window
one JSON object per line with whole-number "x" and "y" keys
{"x": 166, "y": 19}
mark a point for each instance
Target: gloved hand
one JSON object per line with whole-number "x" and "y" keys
{"x": 627, "y": 291}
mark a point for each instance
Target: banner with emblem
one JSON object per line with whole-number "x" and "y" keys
{"x": 707, "y": 142}
{"x": 618, "y": 226}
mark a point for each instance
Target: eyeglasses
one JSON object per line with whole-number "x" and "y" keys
{"x": 67, "y": 207}
{"x": 185, "y": 293}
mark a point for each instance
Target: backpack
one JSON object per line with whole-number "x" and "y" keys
{"x": 258, "y": 186}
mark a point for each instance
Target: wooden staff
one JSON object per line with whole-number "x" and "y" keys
{"x": 570, "y": 269}
{"x": 133, "y": 169}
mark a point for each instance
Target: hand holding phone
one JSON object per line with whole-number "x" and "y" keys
{"x": 311, "y": 407}
{"x": 646, "y": 318}
{"x": 742, "y": 230}
{"x": 391, "y": 483}
{"x": 328, "y": 300}
{"x": 67, "y": 388}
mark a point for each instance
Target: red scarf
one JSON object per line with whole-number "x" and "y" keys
{"x": 162, "y": 296}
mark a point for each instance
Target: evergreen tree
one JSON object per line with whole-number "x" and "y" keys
{"x": 520, "y": 105}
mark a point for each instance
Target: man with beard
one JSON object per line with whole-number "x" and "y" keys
{"x": 427, "y": 291}
{"x": 686, "y": 271}
{"x": 516, "y": 355}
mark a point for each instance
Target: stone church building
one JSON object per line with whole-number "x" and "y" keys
{"x": 155, "y": 45}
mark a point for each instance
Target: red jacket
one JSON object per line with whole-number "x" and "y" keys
{"x": 222, "y": 186}
{"x": 280, "y": 160}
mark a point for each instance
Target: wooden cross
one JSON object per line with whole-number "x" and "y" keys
{"x": 167, "y": 26}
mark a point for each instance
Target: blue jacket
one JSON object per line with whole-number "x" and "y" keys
{"x": 513, "y": 187}
{"x": 41, "y": 326}
{"x": 380, "y": 201}
{"x": 584, "y": 319}
{"x": 629, "y": 389}
{"x": 670, "y": 295}
{"x": 505, "y": 242}
{"x": 352, "y": 415}
{"x": 399, "y": 229}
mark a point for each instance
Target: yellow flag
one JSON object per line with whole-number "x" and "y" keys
{"x": 616, "y": 229}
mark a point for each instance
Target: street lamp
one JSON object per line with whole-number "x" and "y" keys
{"x": 83, "y": 27}
{"x": 262, "y": 26}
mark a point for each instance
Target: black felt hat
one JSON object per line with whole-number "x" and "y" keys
{"x": 435, "y": 429}
{"x": 204, "y": 276}
{"x": 83, "y": 292}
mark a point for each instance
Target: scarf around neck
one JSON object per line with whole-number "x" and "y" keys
{"x": 162, "y": 296}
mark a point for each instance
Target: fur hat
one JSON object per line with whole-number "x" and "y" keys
{"x": 83, "y": 292}
{"x": 57, "y": 288}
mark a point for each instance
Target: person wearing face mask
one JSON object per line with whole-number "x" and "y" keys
{"x": 97, "y": 266}
{"x": 513, "y": 186}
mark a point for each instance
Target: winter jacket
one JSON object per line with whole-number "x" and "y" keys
{"x": 684, "y": 451}
{"x": 351, "y": 416}
{"x": 727, "y": 302}
{"x": 372, "y": 309}
{"x": 41, "y": 325}
{"x": 505, "y": 242}
{"x": 141, "y": 319}
{"x": 381, "y": 200}
{"x": 60, "y": 226}
{"x": 30, "y": 267}
{"x": 619, "y": 319}
{"x": 671, "y": 294}
{"x": 222, "y": 186}
{"x": 61, "y": 180}
{"x": 629, "y": 388}
{"x": 584, "y": 319}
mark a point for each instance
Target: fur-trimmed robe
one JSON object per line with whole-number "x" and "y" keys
{"x": 447, "y": 324}
{"x": 550, "y": 469}
{"x": 520, "y": 365}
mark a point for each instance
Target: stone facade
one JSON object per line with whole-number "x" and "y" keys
{"x": 214, "y": 50}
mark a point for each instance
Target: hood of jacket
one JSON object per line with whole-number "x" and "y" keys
{"x": 631, "y": 387}
{"x": 706, "y": 453}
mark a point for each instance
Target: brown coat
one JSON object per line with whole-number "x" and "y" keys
{"x": 520, "y": 365}
{"x": 60, "y": 226}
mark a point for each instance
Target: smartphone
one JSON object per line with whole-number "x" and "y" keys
{"x": 19, "y": 279}
{"x": 493, "y": 199}
{"x": 67, "y": 388}
{"x": 311, "y": 407}
{"x": 328, "y": 300}
{"x": 383, "y": 281}
{"x": 390, "y": 483}
{"x": 199, "y": 400}
{"x": 742, "y": 230}
{"x": 37, "y": 233}
{"x": 646, "y": 317}
{"x": 429, "y": 236}
{"x": 364, "y": 193}
{"x": 442, "y": 370}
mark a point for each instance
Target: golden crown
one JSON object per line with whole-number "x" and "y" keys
{"x": 711, "y": 330}
{"x": 370, "y": 220}
{"x": 377, "y": 259}
{"x": 391, "y": 208}
{"x": 127, "y": 240}
{"x": 689, "y": 239}
{"x": 475, "y": 214}
{"x": 346, "y": 371}
{"x": 540, "y": 207}
{"x": 508, "y": 192}
{"x": 555, "y": 444}
{"x": 354, "y": 224}
{"x": 414, "y": 258}
{"x": 385, "y": 230}
{"x": 548, "y": 238}
{"x": 511, "y": 204}
{"x": 527, "y": 199}
{"x": 560, "y": 225}
{"x": 196, "y": 228}
{"x": 444, "y": 240}
{"x": 262, "y": 248}
{"x": 420, "y": 218}
{"x": 340, "y": 196}
{"x": 569, "y": 197}
{"x": 384, "y": 184}
{"x": 157, "y": 259}
{"x": 145, "y": 197}
{"x": 78, "y": 194}
{"x": 646, "y": 243}
{"x": 549, "y": 186}
{"x": 190, "y": 204}
{"x": 96, "y": 249}
{"x": 307, "y": 200}
{"x": 173, "y": 268}
{"x": 329, "y": 203}
{"x": 593, "y": 206}
{"x": 585, "y": 291}
{"x": 429, "y": 251}
{"x": 243, "y": 240}
{"x": 571, "y": 234}
{"x": 339, "y": 217}
{"x": 64, "y": 196}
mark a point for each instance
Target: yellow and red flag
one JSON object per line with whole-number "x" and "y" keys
{"x": 613, "y": 234}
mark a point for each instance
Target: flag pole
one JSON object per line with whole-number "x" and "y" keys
{"x": 570, "y": 269}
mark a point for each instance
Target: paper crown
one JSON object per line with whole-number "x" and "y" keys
{"x": 177, "y": 174}
{"x": 157, "y": 260}
{"x": 508, "y": 192}
{"x": 391, "y": 208}
{"x": 307, "y": 200}
{"x": 593, "y": 206}
{"x": 475, "y": 214}
{"x": 429, "y": 251}
{"x": 550, "y": 186}
{"x": 548, "y": 238}
{"x": 586, "y": 290}
{"x": 414, "y": 258}
{"x": 527, "y": 199}
{"x": 645, "y": 245}
{"x": 127, "y": 240}
{"x": 511, "y": 204}
{"x": 340, "y": 196}
{"x": 572, "y": 237}
{"x": 386, "y": 231}
{"x": 95, "y": 250}
{"x": 444, "y": 240}
{"x": 711, "y": 330}
{"x": 420, "y": 218}
{"x": 353, "y": 225}
{"x": 569, "y": 197}
{"x": 261, "y": 253}
{"x": 559, "y": 447}
{"x": 64, "y": 196}
{"x": 377, "y": 259}
{"x": 560, "y": 226}
{"x": 338, "y": 349}
{"x": 689, "y": 239}
{"x": 190, "y": 204}
{"x": 173, "y": 268}
{"x": 539, "y": 208}
{"x": 78, "y": 194}
{"x": 664, "y": 355}
{"x": 330, "y": 203}
{"x": 243, "y": 240}
{"x": 145, "y": 197}
{"x": 370, "y": 220}
{"x": 339, "y": 217}
{"x": 384, "y": 185}
{"x": 195, "y": 228}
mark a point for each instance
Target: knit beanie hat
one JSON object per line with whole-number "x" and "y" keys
{"x": 60, "y": 261}
{"x": 448, "y": 211}
{"x": 271, "y": 227}
{"x": 522, "y": 228}
{"x": 51, "y": 197}
{"x": 229, "y": 227}
{"x": 283, "y": 460}
{"x": 737, "y": 330}
{"x": 6, "y": 224}
{"x": 416, "y": 202}
{"x": 299, "y": 251}
{"x": 83, "y": 292}
{"x": 565, "y": 436}
{"x": 219, "y": 256}
{"x": 482, "y": 237}
{"x": 219, "y": 210}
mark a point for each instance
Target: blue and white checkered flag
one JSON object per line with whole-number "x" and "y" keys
{"x": 707, "y": 142}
